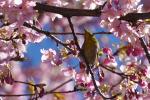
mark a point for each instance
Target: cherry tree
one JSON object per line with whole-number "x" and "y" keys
{"x": 122, "y": 72}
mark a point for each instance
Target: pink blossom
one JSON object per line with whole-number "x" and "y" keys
{"x": 82, "y": 78}
{"x": 89, "y": 4}
{"x": 48, "y": 55}
{"x": 99, "y": 2}
{"x": 110, "y": 61}
{"x": 15, "y": 37}
{"x": 110, "y": 15}
{"x": 135, "y": 51}
{"x": 32, "y": 36}
{"x": 142, "y": 83}
{"x": 17, "y": 13}
{"x": 107, "y": 51}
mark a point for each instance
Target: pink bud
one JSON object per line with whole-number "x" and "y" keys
{"x": 143, "y": 71}
{"x": 133, "y": 77}
{"x": 137, "y": 52}
{"x": 107, "y": 51}
{"x": 142, "y": 83}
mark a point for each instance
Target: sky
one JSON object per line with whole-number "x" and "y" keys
{"x": 33, "y": 49}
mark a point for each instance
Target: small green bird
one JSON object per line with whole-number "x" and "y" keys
{"x": 90, "y": 48}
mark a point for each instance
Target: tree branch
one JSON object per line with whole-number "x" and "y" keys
{"x": 27, "y": 83}
{"x": 68, "y": 12}
{"x": 133, "y": 17}
{"x": 113, "y": 86}
{"x": 19, "y": 95}
{"x": 143, "y": 44}
{"x": 117, "y": 73}
{"x": 70, "y": 33}
{"x": 97, "y": 88}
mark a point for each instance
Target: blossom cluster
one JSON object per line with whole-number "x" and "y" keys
{"x": 125, "y": 70}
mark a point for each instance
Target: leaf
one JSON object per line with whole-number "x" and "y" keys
{"x": 64, "y": 53}
{"x": 122, "y": 54}
{"x": 31, "y": 88}
{"x": 120, "y": 97}
{"x": 59, "y": 96}
{"x": 122, "y": 48}
{"x": 147, "y": 21}
{"x": 104, "y": 88}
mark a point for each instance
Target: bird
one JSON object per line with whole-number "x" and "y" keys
{"x": 89, "y": 49}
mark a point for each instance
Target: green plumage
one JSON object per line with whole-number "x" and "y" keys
{"x": 90, "y": 47}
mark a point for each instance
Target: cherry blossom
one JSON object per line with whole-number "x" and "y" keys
{"x": 122, "y": 71}
{"x": 48, "y": 55}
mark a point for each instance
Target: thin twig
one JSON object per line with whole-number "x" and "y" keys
{"x": 59, "y": 86}
{"x": 47, "y": 34}
{"x": 70, "y": 33}
{"x": 108, "y": 68}
{"x": 48, "y": 92}
{"x": 18, "y": 95}
{"x": 113, "y": 86}
{"x": 27, "y": 83}
{"x": 15, "y": 95}
{"x": 73, "y": 33}
{"x": 143, "y": 44}
{"x": 117, "y": 73}
{"x": 97, "y": 88}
